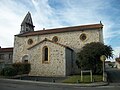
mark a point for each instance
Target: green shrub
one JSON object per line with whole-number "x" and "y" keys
{"x": 89, "y": 56}
{"x": 16, "y": 69}
{"x": 22, "y": 68}
{"x": 2, "y": 72}
{"x": 26, "y": 68}
{"x": 8, "y": 71}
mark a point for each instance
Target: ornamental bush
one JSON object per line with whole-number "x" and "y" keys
{"x": 16, "y": 69}
{"x": 89, "y": 56}
{"x": 8, "y": 71}
{"x": 22, "y": 68}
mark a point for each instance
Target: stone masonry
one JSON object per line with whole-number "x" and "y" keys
{"x": 71, "y": 39}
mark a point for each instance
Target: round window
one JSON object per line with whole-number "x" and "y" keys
{"x": 55, "y": 39}
{"x": 83, "y": 37}
{"x": 30, "y": 41}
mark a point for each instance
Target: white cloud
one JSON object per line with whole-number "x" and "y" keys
{"x": 45, "y": 15}
{"x": 116, "y": 51}
{"x": 9, "y": 23}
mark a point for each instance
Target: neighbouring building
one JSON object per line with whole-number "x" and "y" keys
{"x": 53, "y": 52}
{"x": 117, "y": 62}
{"x": 6, "y": 56}
{"x": 109, "y": 64}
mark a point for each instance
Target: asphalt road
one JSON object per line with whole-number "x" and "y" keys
{"x": 35, "y": 86}
{"x": 113, "y": 75}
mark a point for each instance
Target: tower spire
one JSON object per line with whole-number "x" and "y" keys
{"x": 27, "y": 24}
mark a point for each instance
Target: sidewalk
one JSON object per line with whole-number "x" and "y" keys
{"x": 14, "y": 81}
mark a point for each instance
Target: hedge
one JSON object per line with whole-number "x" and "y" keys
{"x": 16, "y": 69}
{"x": 8, "y": 71}
{"x": 22, "y": 68}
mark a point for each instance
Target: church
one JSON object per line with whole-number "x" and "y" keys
{"x": 53, "y": 52}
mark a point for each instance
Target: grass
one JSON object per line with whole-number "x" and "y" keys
{"x": 86, "y": 79}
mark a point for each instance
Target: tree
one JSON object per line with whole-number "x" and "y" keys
{"x": 89, "y": 56}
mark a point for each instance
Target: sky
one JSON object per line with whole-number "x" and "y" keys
{"x": 61, "y": 13}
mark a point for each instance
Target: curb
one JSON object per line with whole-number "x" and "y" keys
{"x": 14, "y": 81}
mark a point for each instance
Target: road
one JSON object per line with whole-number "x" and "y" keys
{"x": 113, "y": 75}
{"x": 35, "y": 86}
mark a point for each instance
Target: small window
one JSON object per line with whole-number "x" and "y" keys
{"x": 55, "y": 39}
{"x": 30, "y": 41}
{"x": 26, "y": 25}
{"x": 1, "y": 56}
{"x": 83, "y": 37}
{"x": 27, "y": 29}
{"x": 45, "y": 54}
{"x": 10, "y": 56}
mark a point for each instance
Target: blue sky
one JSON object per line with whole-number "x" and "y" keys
{"x": 60, "y": 13}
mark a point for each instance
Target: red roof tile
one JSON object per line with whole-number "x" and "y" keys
{"x": 65, "y": 29}
{"x": 6, "y": 49}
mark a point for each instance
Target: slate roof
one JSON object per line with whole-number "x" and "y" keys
{"x": 27, "y": 19}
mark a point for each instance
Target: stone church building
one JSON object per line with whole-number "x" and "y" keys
{"x": 53, "y": 52}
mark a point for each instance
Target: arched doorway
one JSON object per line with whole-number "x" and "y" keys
{"x": 25, "y": 59}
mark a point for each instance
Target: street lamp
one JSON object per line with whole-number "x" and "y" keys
{"x": 103, "y": 58}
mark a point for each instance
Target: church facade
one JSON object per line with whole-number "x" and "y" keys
{"x": 53, "y": 52}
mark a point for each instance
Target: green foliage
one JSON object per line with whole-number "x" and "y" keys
{"x": 26, "y": 68}
{"x": 22, "y": 68}
{"x": 86, "y": 79}
{"x": 89, "y": 56}
{"x": 16, "y": 69}
{"x": 8, "y": 71}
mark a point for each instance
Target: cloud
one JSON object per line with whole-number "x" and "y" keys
{"x": 116, "y": 51}
{"x": 44, "y": 16}
{"x": 58, "y": 13}
{"x": 9, "y": 22}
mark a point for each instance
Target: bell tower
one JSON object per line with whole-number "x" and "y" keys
{"x": 27, "y": 24}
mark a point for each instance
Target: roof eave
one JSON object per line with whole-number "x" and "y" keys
{"x": 61, "y": 30}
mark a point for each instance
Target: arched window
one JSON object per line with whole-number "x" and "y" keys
{"x": 25, "y": 59}
{"x": 45, "y": 54}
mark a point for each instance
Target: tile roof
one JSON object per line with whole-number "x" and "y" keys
{"x": 65, "y": 29}
{"x": 6, "y": 49}
{"x": 51, "y": 42}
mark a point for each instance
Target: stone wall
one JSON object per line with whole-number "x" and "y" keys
{"x": 71, "y": 39}
{"x": 56, "y": 62}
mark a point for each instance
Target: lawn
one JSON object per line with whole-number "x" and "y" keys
{"x": 86, "y": 79}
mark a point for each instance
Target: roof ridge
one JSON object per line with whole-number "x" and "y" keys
{"x": 65, "y": 29}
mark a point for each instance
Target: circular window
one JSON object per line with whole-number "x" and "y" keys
{"x": 55, "y": 39}
{"x": 30, "y": 41}
{"x": 83, "y": 37}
